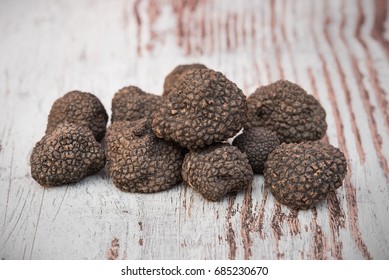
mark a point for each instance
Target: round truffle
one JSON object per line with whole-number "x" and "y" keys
{"x": 80, "y": 108}
{"x": 257, "y": 143}
{"x": 287, "y": 109}
{"x": 204, "y": 108}
{"x": 299, "y": 175}
{"x": 217, "y": 170}
{"x": 66, "y": 155}
{"x": 176, "y": 74}
{"x": 131, "y": 103}
{"x": 140, "y": 162}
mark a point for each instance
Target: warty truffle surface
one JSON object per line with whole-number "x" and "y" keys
{"x": 204, "y": 108}
{"x": 287, "y": 109}
{"x": 66, "y": 155}
{"x": 138, "y": 161}
{"x": 300, "y": 175}
{"x": 80, "y": 108}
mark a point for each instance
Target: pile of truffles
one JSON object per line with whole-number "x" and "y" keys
{"x": 157, "y": 141}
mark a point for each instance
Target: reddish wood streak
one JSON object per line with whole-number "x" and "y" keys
{"x": 293, "y": 223}
{"x": 246, "y": 221}
{"x": 273, "y": 24}
{"x": 319, "y": 243}
{"x": 191, "y": 200}
{"x": 261, "y": 215}
{"x": 113, "y": 251}
{"x": 380, "y": 93}
{"x": 230, "y": 232}
{"x": 227, "y": 32}
{"x": 345, "y": 88}
{"x": 138, "y": 25}
{"x": 276, "y": 226}
{"x": 337, "y": 221}
{"x": 378, "y": 31}
{"x": 153, "y": 13}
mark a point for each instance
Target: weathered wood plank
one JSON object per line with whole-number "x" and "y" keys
{"x": 336, "y": 50}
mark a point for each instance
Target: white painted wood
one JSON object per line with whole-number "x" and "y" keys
{"x": 48, "y": 48}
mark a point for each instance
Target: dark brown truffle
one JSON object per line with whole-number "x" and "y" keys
{"x": 176, "y": 74}
{"x": 204, "y": 108}
{"x": 300, "y": 175}
{"x": 131, "y": 103}
{"x": 66, "y": 155}
{"x": 257, "y": 143}
{"x": 140, "y": 162}
{"x": 288, "y": 110}
{"x": 80, "y": 108}
{"x": 217, "y": 170}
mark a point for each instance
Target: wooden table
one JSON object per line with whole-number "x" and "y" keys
{"x": 336, "y": 50}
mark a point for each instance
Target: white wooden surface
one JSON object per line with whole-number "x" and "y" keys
{"x": 337, "y": 50}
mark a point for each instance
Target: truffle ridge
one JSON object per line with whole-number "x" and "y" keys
{"x": 66, "y": 155}
{"x": 204, "y": 108}
{"x": 131, "y": 103}
{"x": 287, "y": 109}
{"x": 80, "y": 108}
{"x": 138, "y": 161}
{"x": 300, "y": 175}
{"x": 217, "y": 170}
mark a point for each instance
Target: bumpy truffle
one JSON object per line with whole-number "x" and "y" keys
{"x": 175, "y": 76}
{"x": 80, "y": 108}
{"x": 204, "y": 108}
{"x": 217, "y": 170}
{"x": 300, "y": 175}
{"x": 257, "y": 143}
{"x": 131, "y": 103}
{"x": 288, "y": 110}
{"x": 66, "y": 155}
{"x": 140, "y": 162}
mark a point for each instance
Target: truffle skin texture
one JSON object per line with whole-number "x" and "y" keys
{"x": 257, "y": 143}
{"x": 131, "y": 103}
{"x": 287, "y": 109}
{"x": 174, "y": 77}
{"x": 217, "y": 170}
{"x": 140, "y": 162}
{"x": 80, "y": 108}
{"x": 204, "y": 108}
{"x": 299, "y": 175}
{"x": 66, "y": 155}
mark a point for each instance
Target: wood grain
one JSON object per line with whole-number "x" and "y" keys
{"x": 337, "y": 50}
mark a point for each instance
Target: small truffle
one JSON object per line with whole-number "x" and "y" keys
{"x": 299, "y": 175}
{"x": 257, "y": 143}
{"x": 175, "y": 76}
{"x": 66, "y": 155}
{"x": 217, "y": 170}
{"x": 131, "y": 103}
{"x": 288, "y": 110}
{"x": 80, "y": 108}
{"x": 140, "y": 162}
{"x": 204, "y": 108}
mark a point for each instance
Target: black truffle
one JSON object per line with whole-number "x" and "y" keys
{"x": 66, "y": 155}
{"x": 131, "y": 103}
{"x": 204, "y": 108}
{"x": 174, "y": 77}
{"x": 80, "y": 108}
{"x": 299, "y": 175}
{"x": 217, "y": 170}
{"x": 288, "y": 110}
{"x": 257, "y": 143}
{"x": 140, "y": 162}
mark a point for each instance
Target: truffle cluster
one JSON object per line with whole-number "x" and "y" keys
{"x": 155, "y": 142}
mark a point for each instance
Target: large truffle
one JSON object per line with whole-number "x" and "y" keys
{"x": 257, "y": 143}
{"x": 140, "y": 162}
{"x": 131, "y": 103}
{"x": 66, "y": 155}
{"x": 217, "y": 170}
{"x": 204, "y": 108}
{"x": 300, "y": 175}
{"x": 80, "y": 108}
{"x": 174, "y": 77}
{"x": 287, "y": 109}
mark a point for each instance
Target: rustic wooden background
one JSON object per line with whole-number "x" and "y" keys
{"x": 336, "y": 50}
